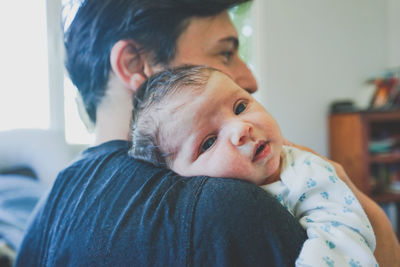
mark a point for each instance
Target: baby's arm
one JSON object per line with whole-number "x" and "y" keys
{"x": 387, "y": 250}
{"x": 339, "y": 233}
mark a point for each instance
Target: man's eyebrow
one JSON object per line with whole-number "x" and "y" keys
{"x": 231, "y": 39}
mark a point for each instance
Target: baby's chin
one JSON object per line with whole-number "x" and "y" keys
{"x": 266, "y": 179}
{"x": 273, "y": 172}
{"x": 260, "y": 178}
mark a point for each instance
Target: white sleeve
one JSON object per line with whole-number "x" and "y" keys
{"x": 339, "y": 232}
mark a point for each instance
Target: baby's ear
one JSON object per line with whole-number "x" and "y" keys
{"x": 128, "y": 64}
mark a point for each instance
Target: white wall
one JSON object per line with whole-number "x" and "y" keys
{"x": 393, "y": 41}
{"x": 56, "y": 65}
{"x": 311, "y": 52}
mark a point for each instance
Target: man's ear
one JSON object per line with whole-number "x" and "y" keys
{"x": 129, "y": 64}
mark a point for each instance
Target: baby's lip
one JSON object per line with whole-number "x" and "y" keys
{"x": 260, "y": 150}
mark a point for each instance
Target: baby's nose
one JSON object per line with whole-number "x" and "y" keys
{"x": 240, "y": 132}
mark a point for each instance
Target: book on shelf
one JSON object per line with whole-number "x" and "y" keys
{"x": 386, "y": 177}
{"x": 384, "y": 152}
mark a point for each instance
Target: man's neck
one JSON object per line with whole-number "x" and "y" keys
{"x": 114, "y": 114}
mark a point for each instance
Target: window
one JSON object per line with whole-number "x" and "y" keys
{"x": 240, "y": 16}
{"x": 30, "y": 45}
{"x": 78, "y": 128}
{"x": 24, "y": 93}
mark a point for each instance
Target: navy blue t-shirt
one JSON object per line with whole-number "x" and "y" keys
{"x": 108, "y": 209}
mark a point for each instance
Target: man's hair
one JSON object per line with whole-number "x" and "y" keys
{"x": 154, "y": 25}
{"x": 150, "y": 139}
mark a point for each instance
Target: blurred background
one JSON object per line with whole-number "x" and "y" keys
{"x": 321, "y": 65}
{"x": 305, "y": 54}
{"x": 311, "y": 53}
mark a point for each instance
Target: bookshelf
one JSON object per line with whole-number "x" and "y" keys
{"x": 367, "y": 144}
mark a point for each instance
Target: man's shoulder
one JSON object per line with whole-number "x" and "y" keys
{"x": 110, "y": 167}
{"x": 105, "y": 160}
{"x": 217, "y": 190}
{"x": 111, "y": 208}
{"x": 112, "y": 159}
{"x": 236, "y": 216}
{"x": 234, "y": 197}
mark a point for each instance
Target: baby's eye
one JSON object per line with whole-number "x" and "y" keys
{"x": 207, "y": 144}
{"x": 239, "y": 108}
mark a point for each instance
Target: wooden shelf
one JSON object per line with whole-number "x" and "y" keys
{"x": 350, "y": 137}
{"x": 393, "y": 115}
{"x": 386, "y": 197}
{"x": 385, "y": 158}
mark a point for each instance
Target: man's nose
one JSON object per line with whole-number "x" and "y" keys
{"x": 240, "y": 132}
{"x": 245, "y": 78}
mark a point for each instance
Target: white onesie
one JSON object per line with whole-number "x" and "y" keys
{"x": 339, "y": 232}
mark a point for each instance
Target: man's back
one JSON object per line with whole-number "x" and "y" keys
{"x": 109, "y": 209}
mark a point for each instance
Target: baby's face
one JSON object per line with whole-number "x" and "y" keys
{"x": 223, "y": 132}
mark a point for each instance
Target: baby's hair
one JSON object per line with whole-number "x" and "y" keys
{"x": 149, "y": 142}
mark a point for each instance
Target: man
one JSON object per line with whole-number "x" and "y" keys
{"x": 108, "y": 209}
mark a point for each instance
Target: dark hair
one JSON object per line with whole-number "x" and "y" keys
{"x": 149, "y": 139}
{"x": 154, "y": 24}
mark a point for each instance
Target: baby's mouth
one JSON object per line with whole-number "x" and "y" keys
{"x": 262, "y": 149}
{"x": 259, "y": 149}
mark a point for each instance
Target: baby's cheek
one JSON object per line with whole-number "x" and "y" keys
{"x": 232, "y": 168}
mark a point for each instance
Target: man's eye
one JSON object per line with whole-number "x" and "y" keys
{"x": 207, "y": 144}
{"x": 227, "y": 55}
{"x": 240, "y": 108}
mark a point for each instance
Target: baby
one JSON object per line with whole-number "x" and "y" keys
{"x": 227, "y": 133}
